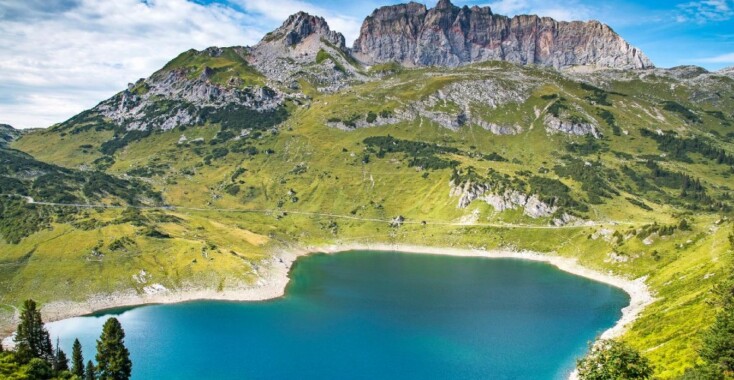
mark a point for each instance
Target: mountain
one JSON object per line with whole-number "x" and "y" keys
{"x": 451, "y": 36}
{"x": 234, "y": 83}
{"x": 239, "y": 83}
{"x": 255, "y": 151}
{"x": 305, "y": 47}
{"x": 8, "y": 134}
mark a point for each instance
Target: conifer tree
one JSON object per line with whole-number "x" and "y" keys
{"x": 89, "y": 373}
{"x": 61, "y": 362}
{"x": 77, "y": 359}
{"x": 113, "y": 358}
{"x": 32, "y": 339}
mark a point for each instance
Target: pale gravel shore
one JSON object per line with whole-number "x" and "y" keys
{"x": 275, "y": 280}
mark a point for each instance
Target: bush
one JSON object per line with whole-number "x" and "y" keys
{"x": 678, "y": 108}
{"x": 238, "y": 118}
{"x": 594, "y": 178}
{"x": 232, "y": 190}
{"x": 589, "y": 146}
{"x": 612, "y": 360}
{"x": 219, "y": 153}
{"x": 679, "y": 148}
{"x": 420, "y": 154}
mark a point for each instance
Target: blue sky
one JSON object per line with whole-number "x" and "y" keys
{"x": 59, "y": 57}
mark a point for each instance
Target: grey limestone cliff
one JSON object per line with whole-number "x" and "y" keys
{"x": 447, "y": 35}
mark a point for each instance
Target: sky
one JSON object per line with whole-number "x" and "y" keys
{"x": 60, "y": 57}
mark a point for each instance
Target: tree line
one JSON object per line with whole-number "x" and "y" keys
{"x": 35, "y": 358}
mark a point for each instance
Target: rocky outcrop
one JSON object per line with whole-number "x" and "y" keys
{"x": 464, "y": 102}
{"x": 464, "y": 96}
{"x": 451, "y": 36}
{"x": 140, "y": 106}
{"x": 683, "y": 72}
{"x": 508, "y": 199}
{"x": 305, "y": 46}
{"x": 8, "y": 134}
{"x": 379, "y": 121}
{"x": 570, "y": 127}
{"x": 299, "y": 28}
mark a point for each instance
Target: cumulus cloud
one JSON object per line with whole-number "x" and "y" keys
{"x": 59, "y": 58}
{"x": 705, "y": 11}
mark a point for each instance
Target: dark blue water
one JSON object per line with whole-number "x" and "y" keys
{"x": 375, "y": 315}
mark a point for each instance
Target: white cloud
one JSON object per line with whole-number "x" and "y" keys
{"x": 56, "y": 63}
{"x": 705, "y": 11}
{"x": 58, "y": 58}
{"x": 723, "y": 58}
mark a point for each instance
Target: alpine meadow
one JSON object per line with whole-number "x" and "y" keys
{"x": 444, "y": 130}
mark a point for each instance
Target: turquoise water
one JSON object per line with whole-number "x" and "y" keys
{"x": 374, "y": 315}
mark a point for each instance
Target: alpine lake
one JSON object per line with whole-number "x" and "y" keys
{"x": 374, "y": 315}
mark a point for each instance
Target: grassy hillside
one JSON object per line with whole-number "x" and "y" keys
{"x": 650, "y": 197}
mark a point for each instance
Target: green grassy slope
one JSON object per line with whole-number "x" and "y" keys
{"x": 664, "y": 158}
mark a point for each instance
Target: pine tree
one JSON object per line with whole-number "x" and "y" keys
{"x": 32, "y": 339}
{"x": 89, "y": 373}
{"x": 718, "y": 342}
{"x": 77, "y": 359}
{"x": 113, "y": 359}
{"x": 61, "y": 362}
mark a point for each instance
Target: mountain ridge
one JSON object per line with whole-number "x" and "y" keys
{"x": 304, "y": 51}
{"x": 447, "y": 35}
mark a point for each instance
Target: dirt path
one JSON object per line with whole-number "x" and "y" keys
{"x": 30, "y": 200}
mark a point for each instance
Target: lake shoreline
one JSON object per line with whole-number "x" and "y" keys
{"x": 273, "y": 283}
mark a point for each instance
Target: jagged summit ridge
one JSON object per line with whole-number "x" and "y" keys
{"x": 304, "y": 46}
{"x": 299, "y": 27}
{"x": 447, "y": 35}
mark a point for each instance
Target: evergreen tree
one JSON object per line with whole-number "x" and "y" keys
{"x": 38, "y": 368}
{"x": 113, "y": 358}
{"x": 610, "y": 359}
{"x": 718, "y": 346}
{"x": 32, "y": 339}
{"x": 89, "y": 373}
{"x": 61, "y": 362}
{"x": 718, "y": 342}
{"x": 77, "y": 359}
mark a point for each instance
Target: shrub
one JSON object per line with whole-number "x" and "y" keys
{"x": 610, "y": 359}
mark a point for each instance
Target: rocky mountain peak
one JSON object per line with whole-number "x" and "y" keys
{"x": 445, "y": 5}
{"x": 727, "y": 71}
{"x": 447, "y": 35}
{"x": 299, "y": 27}
{"x": 304, "y": 46}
